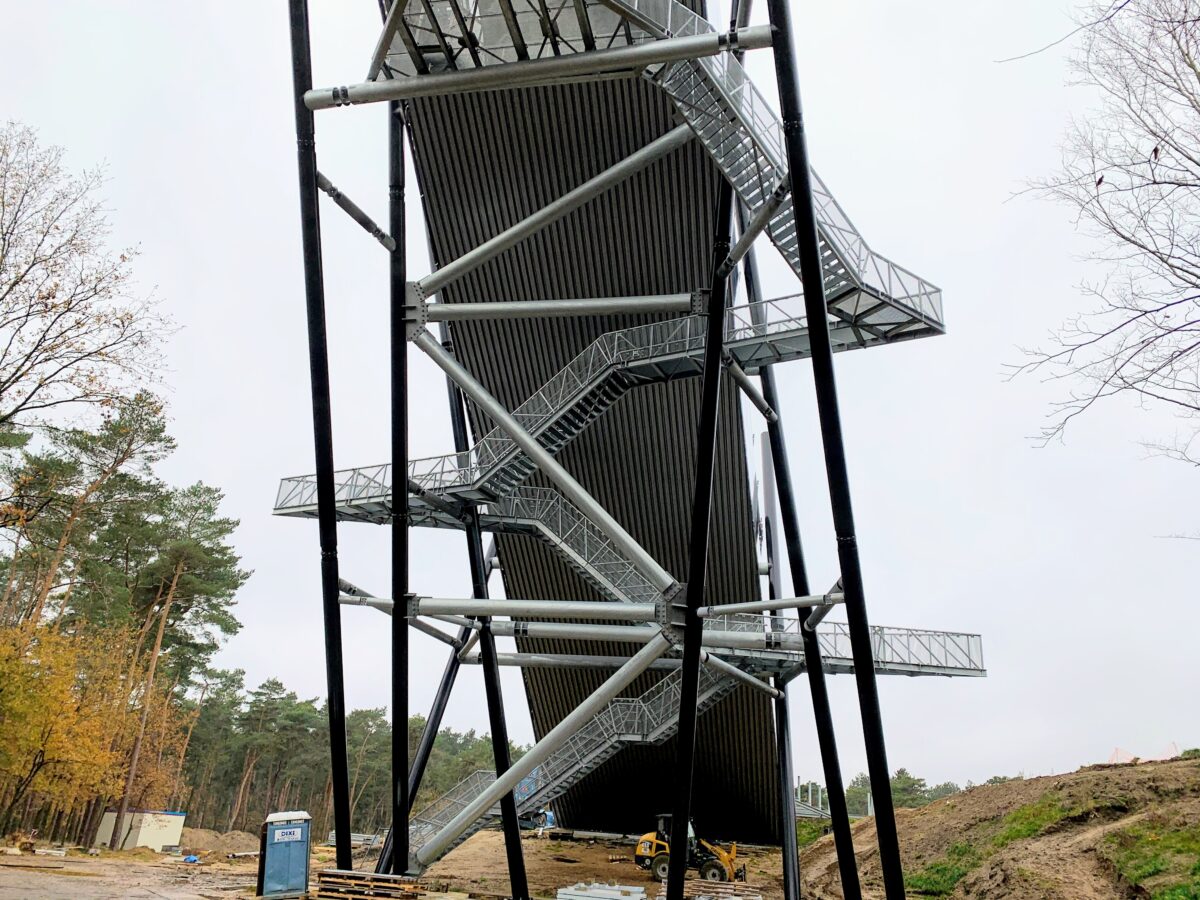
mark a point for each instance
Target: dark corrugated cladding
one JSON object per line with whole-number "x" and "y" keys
{"x": 485, "y": 161}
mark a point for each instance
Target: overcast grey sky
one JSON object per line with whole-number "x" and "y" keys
{"x": 1088, "y": 615}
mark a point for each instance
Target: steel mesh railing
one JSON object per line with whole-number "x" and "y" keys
{"x": 729, "y": 82}
{"x": 566, "y": 527}
{"x": 908, "y": 647}
{"x": 652, "y": 717}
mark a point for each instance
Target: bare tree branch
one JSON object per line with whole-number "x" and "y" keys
{"x": 1131, "y": 173}
{"x": 70, "y": 332}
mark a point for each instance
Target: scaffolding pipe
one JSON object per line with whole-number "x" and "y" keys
{"x": 754, "y": 606}
{"x": 570, "y": 661}
{"x": 595, "y": 306}
{"x": 390, "y": 23}
{"x": 717, "y": 664}
{"x": 544, "y": 460}
{"x": 757, "y": 224}
{"x": 354, "y": 211}
{"x": 551, "y": 212}
{"x": 526, "y": 73}
{"x": 817, "y": 616}
{"x": 742, "y": 380}
{"x": 471, "y": 641}
{"x": 533, "y": 609}
{"x": 432, "y": 499}
{"x": 638, "y": 634}
{"x": 426, "y": 628}
{"x": 541, "y": 751}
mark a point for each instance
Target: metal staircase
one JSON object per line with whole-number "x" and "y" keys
{"x": 648, "y": 719}
{"x": 756, "y": 334}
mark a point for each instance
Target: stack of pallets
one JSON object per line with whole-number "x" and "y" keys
{"x": 338, "y": 884}
{"x": 699, "y": 889}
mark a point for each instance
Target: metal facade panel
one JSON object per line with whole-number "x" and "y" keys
{"x": 485, "y": 161}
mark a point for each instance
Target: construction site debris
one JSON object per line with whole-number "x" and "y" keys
{"x": 699, "y": 889}
{"x": 597, "y": 891}
{"x": 340, "y": 884}
{"x": 204, "y": 840}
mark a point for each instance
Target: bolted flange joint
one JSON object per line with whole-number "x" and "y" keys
{"x": 673, "y": 607}
{"x": 416, "y": 310}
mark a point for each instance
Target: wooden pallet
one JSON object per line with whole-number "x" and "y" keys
{"x": 718, "y": 890}
{"x": 338, "y": 884}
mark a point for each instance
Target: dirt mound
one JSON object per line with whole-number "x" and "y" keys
{"x": 204, "y": 840}
{"x": 479, "y": 864}
{"x": 1102, "y": 833}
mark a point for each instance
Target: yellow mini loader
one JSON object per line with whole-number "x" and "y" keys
{"x": 713, "y": 861}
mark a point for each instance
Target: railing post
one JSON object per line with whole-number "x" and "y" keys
{"x": 318, "y": 362}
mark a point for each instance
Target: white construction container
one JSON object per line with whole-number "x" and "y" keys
{"x": 143, "y": 828}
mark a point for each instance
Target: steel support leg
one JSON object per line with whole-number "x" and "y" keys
{"x": 318, "y": 361}
{"x": 831, "y": 438}
{"x": 780, "y": 469}
{"x": 441, "y": 699}
{"x": 706, "y": 453}
{"x": 399, "y": 526}
{"x": 787, "y": 797}
{"x": 428, "y": 735}
{"x": 495, "y": 704}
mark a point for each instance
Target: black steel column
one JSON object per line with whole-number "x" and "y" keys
{"x": 706, "y": 452}
{"x": 495, "y": 702}
{"x": 425, "y": 746}
{"x": 441, "y": 698}
{"x": 783, "y": 728}
{"x": 831, "y": 438}
{"x": 787, "y": 797}
{"x": 813, "y": 664}
{"x": 318, "y": 363}
{"x": 399, "y": 526}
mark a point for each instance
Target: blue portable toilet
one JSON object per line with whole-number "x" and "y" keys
{"x": 283, "y": 855}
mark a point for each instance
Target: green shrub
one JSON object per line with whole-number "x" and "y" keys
{"x": 1029, "y": 820}
{"x": 940, "y": 878}
{"x": 809, "y": 831}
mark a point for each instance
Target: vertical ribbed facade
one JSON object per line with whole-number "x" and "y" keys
{"x": 484, "y": 162}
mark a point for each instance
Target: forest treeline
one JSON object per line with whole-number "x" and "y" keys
{"x": 117, "y": 588}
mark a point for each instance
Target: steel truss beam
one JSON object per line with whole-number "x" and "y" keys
{"x": 527, "y": 73}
